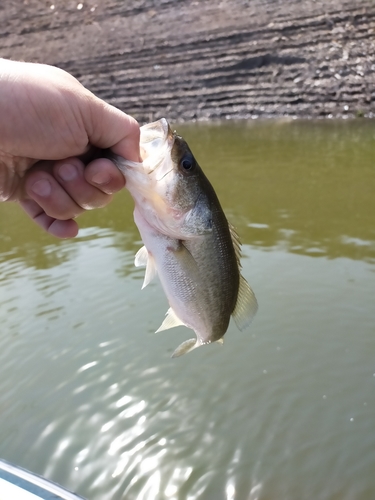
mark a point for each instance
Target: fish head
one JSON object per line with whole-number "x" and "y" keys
{"x": 177, "y": 184}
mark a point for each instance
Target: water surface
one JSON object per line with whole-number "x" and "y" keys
{"x": 89, "y": 396}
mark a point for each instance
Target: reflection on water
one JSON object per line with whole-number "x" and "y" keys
{"x": 88, "y": 394}
{"x": 309, "y": 186}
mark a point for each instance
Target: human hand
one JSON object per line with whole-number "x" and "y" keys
{"x": 48, "y": 123}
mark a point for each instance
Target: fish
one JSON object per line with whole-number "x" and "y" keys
{"x": 188, "y": 241}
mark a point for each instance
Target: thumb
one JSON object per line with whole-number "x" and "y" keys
{"x": 108, "y": 127}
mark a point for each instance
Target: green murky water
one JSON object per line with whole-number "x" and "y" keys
{"x": 284, "y": 411}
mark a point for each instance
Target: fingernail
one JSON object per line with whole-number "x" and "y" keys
{"x": 42, "y": 188}
{"x": 101, "y": 178}
{"x": 68, "y": 172}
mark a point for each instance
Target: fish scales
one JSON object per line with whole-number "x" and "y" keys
{"x": 223, "y": 277}
{"x": 187, "y": 239}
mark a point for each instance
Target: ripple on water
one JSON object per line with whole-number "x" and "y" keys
{"x": 90, "y": 398}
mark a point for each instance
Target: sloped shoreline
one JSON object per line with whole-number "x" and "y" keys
{"x": 199, "y": 60}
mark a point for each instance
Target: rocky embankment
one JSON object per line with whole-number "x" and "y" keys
{"x": 203, "y": 59}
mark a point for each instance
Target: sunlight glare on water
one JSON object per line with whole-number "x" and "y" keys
{"x": 285, "y": 410}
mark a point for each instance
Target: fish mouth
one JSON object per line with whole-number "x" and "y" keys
{"x": 159, "y": 129}
{"x": 157, "y": 139}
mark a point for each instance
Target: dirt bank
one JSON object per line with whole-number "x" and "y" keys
{"x": 202, "y": 59}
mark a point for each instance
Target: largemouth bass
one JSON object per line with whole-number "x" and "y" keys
{"x": 187, "y": 239}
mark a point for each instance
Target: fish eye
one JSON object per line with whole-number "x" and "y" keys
{"x": 187, "y": 163}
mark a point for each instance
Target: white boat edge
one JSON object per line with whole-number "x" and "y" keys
{"x": 21, "y": 484}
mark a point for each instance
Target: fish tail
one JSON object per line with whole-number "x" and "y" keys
{"x": 186, "y": 347}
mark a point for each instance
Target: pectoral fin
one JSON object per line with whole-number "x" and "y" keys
{"x": 246, "y": 305}
{"x": 187, "y": 264}
{"x": 185, "y": 347}
{"x": 170, "y": 321}
{"x": 144, "y": 258}
{"x": 141, "y": 257}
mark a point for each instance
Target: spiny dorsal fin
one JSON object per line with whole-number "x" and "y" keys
{"x": 170, "y": 321}
{"x": 246, "y": 305}
{"x": 236, "y": 243}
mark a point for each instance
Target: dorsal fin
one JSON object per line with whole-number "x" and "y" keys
{"x": 236, "y": 243}
{"x": 246, "y": 305}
